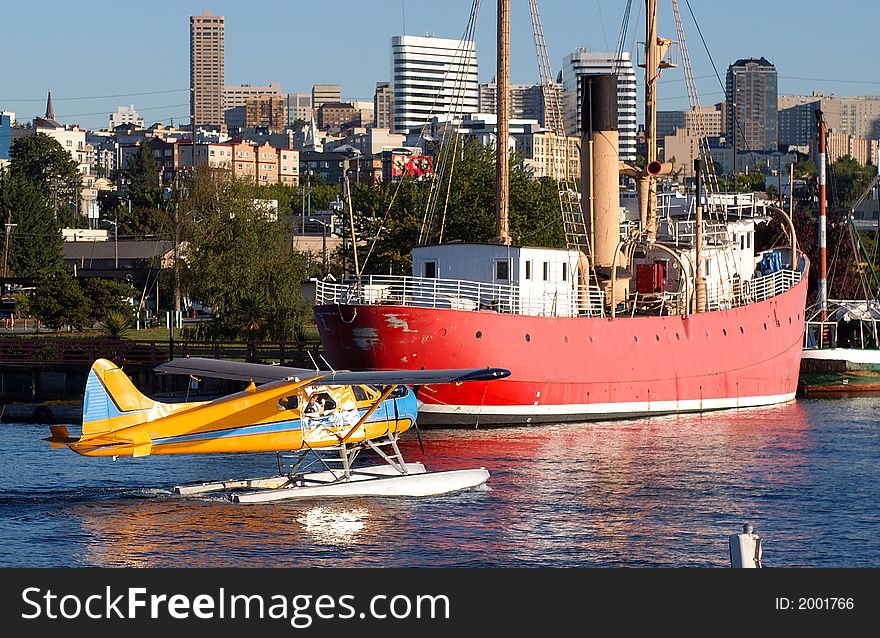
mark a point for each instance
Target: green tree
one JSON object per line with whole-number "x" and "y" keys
{"x": 311, "y": 195}
{"x": 848, "y": 180}
{"x": 35, "y": 243}
{"x": 143, "y": 215}
{"x": 42, "y": 161}
{"x": 58, "y": 301}
{"x": 143, "y": 178}
{"x": 108, "y": 295}
{"x": 394, "y": 217}
{"x": 240, "y": 262}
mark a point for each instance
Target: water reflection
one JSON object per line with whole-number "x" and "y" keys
{"x": 170, "y": 531}
{"x": 665, "y": 491}
{"x": 333, "y": 524}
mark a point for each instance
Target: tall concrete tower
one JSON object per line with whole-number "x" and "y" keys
{"x": 207, "y": 71}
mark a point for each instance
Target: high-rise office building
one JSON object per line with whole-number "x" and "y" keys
{"x": 432, "y": 76}
{"x": 526, "y": 100}
{"x": 126, "y": 115}
{"x": 269, "y": 111}
{"x": 583, "y": 62}
{"x": 206, "y": 42}
{"x": 705, "y": 119}
{"x": 299, "y": 107}
{"x": 325, "y": 93}
{"x": 7, "y": 118}
{"x": 238, "y": 94}
{"x": 752, "y": 98}
{"x": 857, "y": 116}
{"x": 383, "y": 105}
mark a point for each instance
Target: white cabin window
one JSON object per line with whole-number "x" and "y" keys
{"x": 546, "y": 271}
{"x": 502, "y": 270}
{"x": 564, "y": 271}
{"x": 707, "y": 267}
{"x": 430, "y": 269}
{"x": 749, "y": 240}
{"x": 528, "y": 269}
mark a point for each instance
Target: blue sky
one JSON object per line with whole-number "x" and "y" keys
{"x": 96, "y": 55}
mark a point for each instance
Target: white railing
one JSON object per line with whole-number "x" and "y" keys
{"x": 457, "y": 294}
{"x": 820, "y": 335}
{"x": 713, "y": 234}
{"x": 740, "y": 293}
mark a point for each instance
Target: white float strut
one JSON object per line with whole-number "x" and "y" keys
{"x": 400, "y": 464}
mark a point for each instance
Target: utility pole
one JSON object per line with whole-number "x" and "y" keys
{"x": 175, "y": 203}
{"x": 9, "y": 227}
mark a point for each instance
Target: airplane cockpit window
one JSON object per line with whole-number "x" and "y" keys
{"x": 321, "y": 402}
{"x": 288, "y": 403}
{"x": 399, "y": 392}
{"x": 359, "y": 393}
{"x": 329, "y": 403}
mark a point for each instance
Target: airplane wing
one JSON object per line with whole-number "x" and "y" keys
{"x": 262, "y": 373}
{"x": 235, "y": 370}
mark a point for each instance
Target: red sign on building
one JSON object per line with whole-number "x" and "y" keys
{"x": 411, "y": 165}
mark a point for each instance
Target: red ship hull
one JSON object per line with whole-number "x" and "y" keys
{"x": 577, "y": 368}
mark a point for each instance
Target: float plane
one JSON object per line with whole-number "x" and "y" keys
{"x": 322, "y": 416}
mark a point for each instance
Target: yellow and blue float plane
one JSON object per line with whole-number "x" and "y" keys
{"x": 284, "y": 410}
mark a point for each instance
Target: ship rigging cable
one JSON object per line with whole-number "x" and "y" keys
{"x": 458, "y": 93}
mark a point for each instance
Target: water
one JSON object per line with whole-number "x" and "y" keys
{"x": 654, "y": 492}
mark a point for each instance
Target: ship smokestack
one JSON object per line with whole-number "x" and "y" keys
{"x": 600, "y": 177}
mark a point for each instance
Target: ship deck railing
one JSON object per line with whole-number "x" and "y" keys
{"x": 457, "y": 294}
{"x": 741, "y": 292}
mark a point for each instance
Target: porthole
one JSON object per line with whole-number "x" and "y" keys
{"x": 479, "y": 334}
{"x": 636, "y": 339}
{"x": 528, "y": 338}
{"x": 741, "y": 331}
{"x": 724, "y": 330}
{"x": 657, "y": 337}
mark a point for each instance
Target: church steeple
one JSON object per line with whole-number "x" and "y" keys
{"x": 50, "y": 112}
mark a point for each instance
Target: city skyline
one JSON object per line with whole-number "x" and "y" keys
{"x": 107, "y": 55}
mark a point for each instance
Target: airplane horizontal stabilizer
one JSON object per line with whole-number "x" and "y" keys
{"x": 60, "y": 436}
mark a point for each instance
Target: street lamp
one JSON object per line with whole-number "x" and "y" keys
{"x": 323, "y": 243}
{"x": 115, "y": 241}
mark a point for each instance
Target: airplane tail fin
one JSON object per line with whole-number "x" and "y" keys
{"x": 110, "y": 397}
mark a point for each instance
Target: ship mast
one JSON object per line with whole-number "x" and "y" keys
{"x": 652, "y": 74}
{"x": 502, "y": 87}
{"x": 655, "y": 50}
{"x": 820, "y": 165}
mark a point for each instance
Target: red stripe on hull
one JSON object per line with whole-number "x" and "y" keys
{"x": 746, "y": 353}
